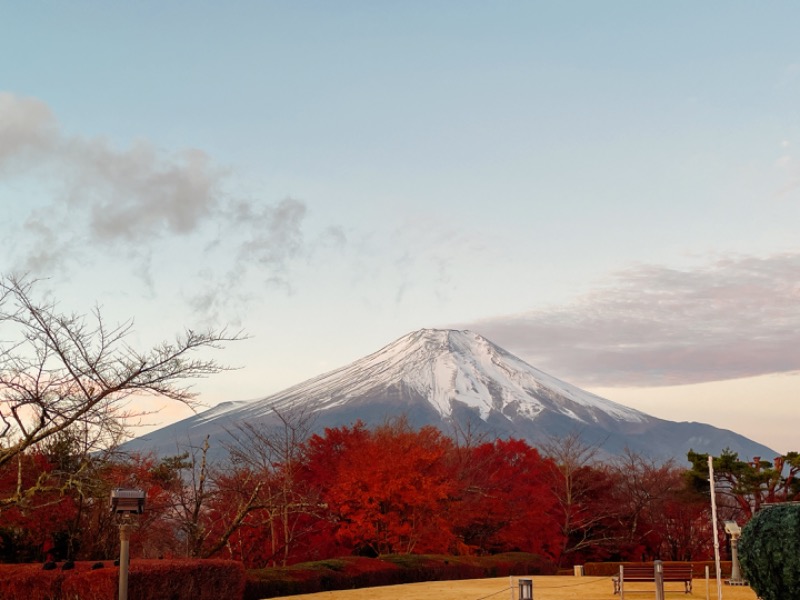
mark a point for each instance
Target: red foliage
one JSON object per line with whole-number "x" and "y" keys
{"x": 387, "y": 490}
{"x": 178, "y": 580}
{"x": 508, "y": 506}
{"x": 32, "y": 524}
{"x": 372, "y": 492}
{"x": 30, "y": 582}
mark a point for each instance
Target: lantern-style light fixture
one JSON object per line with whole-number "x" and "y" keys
{"x": 127, "y": 501}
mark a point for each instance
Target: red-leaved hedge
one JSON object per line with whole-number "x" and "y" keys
{"x": 357, "y": 572}
{"x": 147, "y": 580}
{"x": 30, "y": 582}
{"x": 226, "y": 580}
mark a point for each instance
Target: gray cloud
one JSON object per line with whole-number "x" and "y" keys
{"x": 27, "y": 131}
{"x": 652, "y": 325}
{"x": 110, "y": 194}
{"x": 138, "y": 194}
{"x": 124, "y": 201}
{"x": 274, "y": 233}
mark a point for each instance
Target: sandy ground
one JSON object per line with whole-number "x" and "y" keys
{"x": 544, "y": 588}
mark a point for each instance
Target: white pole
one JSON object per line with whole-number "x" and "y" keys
{"x": 708, "y": 585}
{"x": 714, "y": 525}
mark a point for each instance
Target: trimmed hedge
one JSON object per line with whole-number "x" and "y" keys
{"x": 226, "y": 580}
{"x": 358, "y": 572}
{"x": 30, "y": 582}
{"x": 147, "y": 579}
{"x": 306, "y": 578}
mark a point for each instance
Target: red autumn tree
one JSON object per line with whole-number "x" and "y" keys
{"x": 507, "y": 504}
{"x": 31, "y": 531}
{"x": 387, "y": 490}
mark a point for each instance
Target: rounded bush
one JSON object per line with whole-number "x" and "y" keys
{"x": 769, "y": 552}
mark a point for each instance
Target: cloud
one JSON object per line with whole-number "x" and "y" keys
{"x": 27, "y": 130}
{"x": 653, "y": 325}
{"x": 122, "y": 201}
{"x": 274, "y": 233}
{"x": 102, "y": 193}
{"x": 136, "y": 194}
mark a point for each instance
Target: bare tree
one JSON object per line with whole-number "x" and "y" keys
{"x": 576, "y": 480}
{"x": 274, "y": 453}
{"x": 192, "y": 492}
{"x": 61, "y": 371}
{"x": 644, "y": 488}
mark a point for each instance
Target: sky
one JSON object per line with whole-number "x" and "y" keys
{"x": 610, "y": 191}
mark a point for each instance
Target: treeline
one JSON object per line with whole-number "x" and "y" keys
{"x": 67, "y": 382}
{"x": 285, "y": 496}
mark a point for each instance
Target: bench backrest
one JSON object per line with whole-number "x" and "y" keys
{"x": 638, "y": 571}
{"x": 669, "y": 571}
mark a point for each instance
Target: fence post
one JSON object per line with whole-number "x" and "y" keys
{"x": 658, "y": 578}
{"x": 525, "y": 589}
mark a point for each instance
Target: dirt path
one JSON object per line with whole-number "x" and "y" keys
{"x": 544, "y": 588}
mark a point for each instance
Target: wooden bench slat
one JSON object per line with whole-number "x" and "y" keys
{"x": 640, "y": 573}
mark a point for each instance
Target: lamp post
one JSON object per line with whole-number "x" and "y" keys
{"x": 125, "y": 504}
{"x": 732, "y": 528}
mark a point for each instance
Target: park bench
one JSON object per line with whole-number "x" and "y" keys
{"x": 672, "y": 572}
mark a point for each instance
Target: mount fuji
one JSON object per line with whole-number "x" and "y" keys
{"x": 456, "y": 380}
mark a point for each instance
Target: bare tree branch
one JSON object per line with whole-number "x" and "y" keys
{"x": 63, "y": 370}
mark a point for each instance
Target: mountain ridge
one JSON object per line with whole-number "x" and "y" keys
{"x": 452, "y": 379}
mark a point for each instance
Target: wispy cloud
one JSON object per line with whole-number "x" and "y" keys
{"x": 124, "y": 200}
{"x": 273, "y": 235}
{"x": 653, "y": 325}
{"x": 787, "y": 164}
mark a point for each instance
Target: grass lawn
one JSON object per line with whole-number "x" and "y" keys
{"x": 544, "y": 588}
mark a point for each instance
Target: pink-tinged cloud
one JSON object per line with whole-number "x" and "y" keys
{"x": 652, "y": 325}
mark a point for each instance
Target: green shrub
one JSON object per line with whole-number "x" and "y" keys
{"x": 769, "y": 552}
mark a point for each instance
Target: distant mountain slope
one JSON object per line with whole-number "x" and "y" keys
{"x": 453, "y": 379}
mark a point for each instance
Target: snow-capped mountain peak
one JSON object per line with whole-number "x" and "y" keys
{"x": 456, "y": 381}
{"x": 447, "y": 367}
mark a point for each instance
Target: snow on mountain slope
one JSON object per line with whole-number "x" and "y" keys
{"x": 456, "y": 381}
{"x": 446, "y": 366}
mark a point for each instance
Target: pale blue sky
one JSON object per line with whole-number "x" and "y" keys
{"x": 609, "y": 190}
